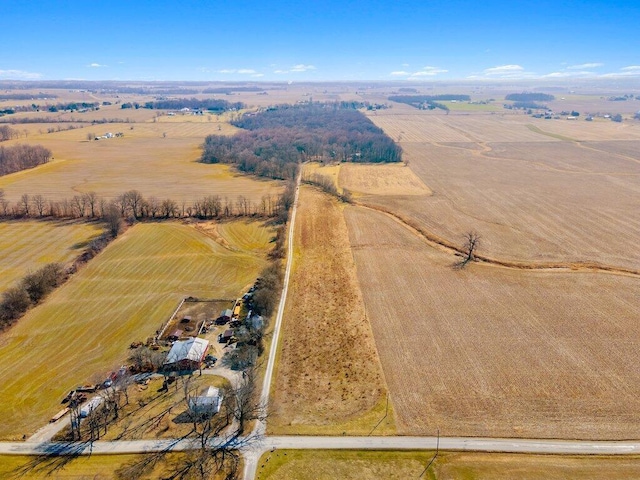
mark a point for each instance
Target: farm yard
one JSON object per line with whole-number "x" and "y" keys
{"x": 328, "y": 377}
{"x": 491, "y": 351}
{"x": 27, "y": 245}
{"x": 124, "y": 295}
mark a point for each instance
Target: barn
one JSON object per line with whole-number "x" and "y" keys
{"x": 187, "y": 354}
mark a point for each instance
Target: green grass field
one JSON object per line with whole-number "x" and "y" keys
{"x": 84, "y": 328}
{"x": 379, "y": 465}
{"x": 28, "y": 245}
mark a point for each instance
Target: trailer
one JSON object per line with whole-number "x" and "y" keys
{"x": 59, "y": 415}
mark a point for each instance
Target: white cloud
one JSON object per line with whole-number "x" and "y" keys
{"x": 584, "y": 66}
{"x": 503, "y": 69}
{"x": 301, "y": 67}
{"x": 429, "y": 72}
{"x": 258, "y": 75}
{"x": 573, "y": 74}
{"x": 246, "y": 71}
{"x": 96, "y": 65}
{"x": 405, "y": 65}
{"x": 508, "y": 72}
{"x": 226, "y": 70}
{"x": 19, "y": 75}
{"x": 630, "y": 71}
{"x": 425, "y": 72}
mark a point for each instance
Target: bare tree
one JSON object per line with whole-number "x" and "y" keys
{"x": 39, "y": 203}
{"x": 91, "y": 199}
{"x": 113, "y": 220}
{"x": 24, "y": 202}
{"x": 472, "y": 239}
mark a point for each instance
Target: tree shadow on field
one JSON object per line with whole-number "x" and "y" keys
{"x": 53, "y": 458}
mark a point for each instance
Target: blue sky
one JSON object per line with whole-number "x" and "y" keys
{"x": 318, "y": 40}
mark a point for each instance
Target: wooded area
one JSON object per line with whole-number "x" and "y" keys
{"x": 21, "y": 157}
{"x": 280, "y": 137}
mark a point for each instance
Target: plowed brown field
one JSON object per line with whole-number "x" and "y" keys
{"x": 533, "y": 201}
{"x": 490, "y": 351}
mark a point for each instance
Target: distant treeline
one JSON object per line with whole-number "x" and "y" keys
{"x": 20, "y": 157}
{"x": 429, "y": 102}
{"x": 210, "y": 104}
{"x": 280, "y": 137}
{"x": 26, "y": 96}
{"x": 133, "y": 205}
{"x": 58, "y": 107}
{"x": 229, "y": 90}
{"x": 528, "y": 106}
{"x": 530, "y": 97}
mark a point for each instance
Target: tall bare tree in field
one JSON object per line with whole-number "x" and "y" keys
{"x": 472, "y": 240}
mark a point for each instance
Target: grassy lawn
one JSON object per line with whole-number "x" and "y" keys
{"x": 375, "y": 465}
{"x": 125, "y": 294}
{"x": 28, "y": 245}
{"x": 94, "y": 467}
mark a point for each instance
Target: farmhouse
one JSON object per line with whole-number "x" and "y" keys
{"x": 187, "y": 354}
{"x": 208, "y": 402}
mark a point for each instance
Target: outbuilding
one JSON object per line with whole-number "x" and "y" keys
{"x": 187, "y": 354}
{"x": 207, "y": 403}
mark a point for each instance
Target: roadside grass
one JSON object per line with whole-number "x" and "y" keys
{"x": 27, "y": 245}
{"x": 125, "y": 294}
{"x": 535, "y": 129}
{"x": 388, "y": 464}
{"x": 94, "y": 467}
{"x": 342, "y": 464}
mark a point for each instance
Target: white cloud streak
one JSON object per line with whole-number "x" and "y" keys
{"x": 585, "y": 66}
{"x": 19, "y": 75}
{"x": 96, "y": 65}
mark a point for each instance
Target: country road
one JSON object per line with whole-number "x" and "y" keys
{"x": 509, "y": 445}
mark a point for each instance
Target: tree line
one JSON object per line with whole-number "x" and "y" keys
{"x": 210, "y": 104}
{"x": 20, "y": 157}
{"x": 26, "y": 96}
{"x": 429, "y": 102}
{"x": 29, "y": 291}
{"x": 277, "y": 139}
{"x": 134, "y": 206}
{"x": 530, "y": 97}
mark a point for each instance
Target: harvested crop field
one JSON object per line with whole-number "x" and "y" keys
{"x": 328, "y": 376}
{"x": 375, "y": 465}
{"x": 381, "y": 179}
{"x": 491, "y": 351}
{"x": 158, "y": 159}
{"x": 531, "y": 202}
{"x": 125, "y": 294}
{"x": 28, "y": 245}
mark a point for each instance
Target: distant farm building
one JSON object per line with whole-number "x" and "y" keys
{"x": 187, "y": 354}
{"x": 207, "y": 403}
